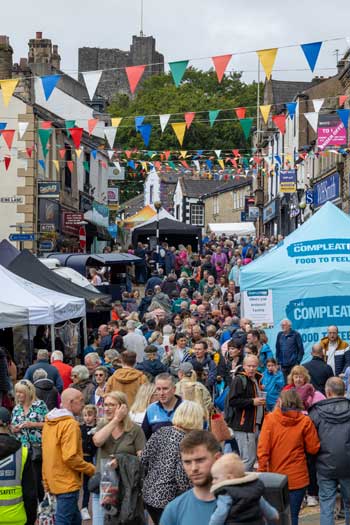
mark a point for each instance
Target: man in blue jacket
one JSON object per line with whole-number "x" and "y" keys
{"x": 289, "y": 348}
{"x": 204, "y": 359}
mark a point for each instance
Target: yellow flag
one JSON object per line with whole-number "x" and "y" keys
{"x": 78, "y": 153}
{"x": 7, "y": 88}
{"x": 222, "y": 164}
{"x": 179, "y": 130}
{"x": 144, "y": 165}
{"x": 267, "y": 59}
{"x": 265, "y": 112}
{"x": 57, "y": 165}
{"x": 183, "y": 154}
{"x": 116, "y": 121}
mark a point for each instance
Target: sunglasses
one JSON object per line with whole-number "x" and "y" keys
{"x": 74, "y": 375}
{"x": 100, "y": 375}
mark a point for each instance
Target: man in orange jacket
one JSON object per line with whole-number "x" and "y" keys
{"x": 63, "y": 463}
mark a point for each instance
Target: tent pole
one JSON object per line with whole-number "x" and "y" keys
{"x": 52, "y": 338}
{"x": 29, "y": 345}
{"x": 85, "y": 332}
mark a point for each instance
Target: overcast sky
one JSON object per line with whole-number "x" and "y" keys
{"x": 187, "y": 29}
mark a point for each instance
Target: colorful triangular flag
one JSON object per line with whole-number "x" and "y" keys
{"x": 222, "y": 164}
{"x": 189, "y": 116}
{"x": 218, "y": 153}
{"x": 86, "y": 166}
{"x": 291, "y": 108}
{"x": 44, "y": 136}
{"x": 311, "y": 52}
{"x": 46, "y": 124}
{"x": 22, "y": 128}
{"x": 62, "y": 152}
{"x": 343, "y": 99}
{"x": 280, "y": 121}
{"x": 179, "y": 130}
{"x": 78, "y": 152}
{"x": 164, "y": 119}
{"x": 110, "y": 134}
{"x": 116, "y": 121}
{"x": 246, "y": 124}
{"x": 8, "y": 135}
{"x": 213, "y": 115}
{"x": 49, "y": 83}
{"x": 70, "y": 165}
{"x": 318, "y": 103}
{"x": 240, "y": 112}
{"x": 138, "y": 122}
{"x": 134, "y": 74}
{"x": 265, "y": 112}
{"x": 76, "y": 134}
{"x": 7, "y": 161}
{"x": 178, "y": 70}
{"x": 343, "y": 115}
{"x": 312, "y": 118}
{"x": 220, "y": 64}
{"x": 267, "y": 59}
{"x": 92, "y": 79}
{"x": 42, "y": 164}
{"x": 145, "y": 130}
{"x": 69, "y": 124}
{"x": 57, "y": 165}
{"x": 7, "y": 88}
{"x": 92, "y": 123}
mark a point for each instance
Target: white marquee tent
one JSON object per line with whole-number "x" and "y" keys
{"x": 13, "y": 315}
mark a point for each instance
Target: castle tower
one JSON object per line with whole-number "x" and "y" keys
{"x": 43, "y": 58}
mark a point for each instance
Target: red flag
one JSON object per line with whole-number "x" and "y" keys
{"x": 46, "y": 125}
{"x": 184, "y": 163}
{"x": 157, "y": 164}
{"x": 167, "y": 154}
{"x": 8, "y": 135}
{"x": 92, "y": 123}
{"x": 7, "y": 161}
{"x": 134, "y": 74}
{"x": 280, "y": 121}
{"x": 104, "y": 164}
{"x": 128, "y": 154}
{"x": 70, "y": 165}
{"x": 189, "y": 118}
{"x": 30, "y": 151}
{"x": 62, "y": 152}
{"x": 220, "y": 64}
{"x": 236, "y": 152}
{"x": 240, "y": 112}
{"x": 343, "y": 99}
{"x": 76, "y": 134}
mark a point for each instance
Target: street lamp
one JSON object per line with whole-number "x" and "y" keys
{"x": 158, "y": 206}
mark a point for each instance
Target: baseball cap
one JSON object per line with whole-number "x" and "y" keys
{"x": 5, "y": 416}
{"x": 186, "y": 368}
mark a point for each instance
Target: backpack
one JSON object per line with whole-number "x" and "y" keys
{"x": 229, "y": 411}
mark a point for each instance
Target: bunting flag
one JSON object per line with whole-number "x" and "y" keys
{"x": 92, "y": 79}
{"x": 318, "y": 103}
{"x": 138, "y": 122}
{"x": 267, "y": 59}
{"x": 189, "y": 116}
{"x": 49, "y": 83}
{"x": 94, "y": 153}
{"x": 42, "y": 164}
{"x": 220, "y": 64}
{"x": 240, "y": 112}
{"x": 22, "y": 128}
{"x": 343, "y": 99}
{"x": 179, "y": 130}
{"x": 8, "y": 135}
{"x": 178, "y": 70}
{"x": 7, "y": 88}
{"x": 92, "y": 123}
{"x": 116, "y": 121}
{"x": 222, "y": 164}
{"x": 209, "y": 164}
{"x": 44, "y": 136}
{"x": 110, "y": 153}
{"x": 69, "y": 124}
{"x": 213, "y": 115}
{"x": 134, "y": 74}
{"x": 70, "y": 165}
{"x": 7, "y": 161}
{"x": 78, "y": 152}
{"x": 280, "y": 122}
{"x": 291, "y": 108}
{"x": 30, "y": 152}
{"x": 46, "y": 124}
{"x": 57, "y": 165}
{"x": 110, "y": 134}
{"x": 312, "y": 118}
{"x": 145, "y": 130}
{"x": 62, "y": 152}
{"x": 184, "y": 163}
{"x": 343, "y": 115}
{"x": 246, "y": 124}
{"x": 164, "y": 119}
{"x": 86, "y": 166}
{"x": 3, "y": 125}
{"x": 76, "y": 134}
{"x": 311, "y": 52}
{"x": 218, "y": 153}
{"x": 265, "y": 112}
{"x": 128, "y": 154}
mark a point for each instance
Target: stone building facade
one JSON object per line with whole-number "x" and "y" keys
{"x": 142, "y": 51}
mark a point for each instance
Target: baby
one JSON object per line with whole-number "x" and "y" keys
{"x": 239, "y": 494}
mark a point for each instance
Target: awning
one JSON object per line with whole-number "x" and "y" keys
{"x": 7, "y": 253}
{"x": 232, "y": 228}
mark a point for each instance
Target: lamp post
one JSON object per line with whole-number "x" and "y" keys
{"x": 158, "y": 206}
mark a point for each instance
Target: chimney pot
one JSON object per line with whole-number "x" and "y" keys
{"x": 38, "y": 35}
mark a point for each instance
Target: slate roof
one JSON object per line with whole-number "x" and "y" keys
{"x": 133, "y": 205}
{"x": 196, "y": 188}
{"x": 285, "y": 90}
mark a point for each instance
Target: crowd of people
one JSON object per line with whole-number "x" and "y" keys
{"x": 177, "y": 405}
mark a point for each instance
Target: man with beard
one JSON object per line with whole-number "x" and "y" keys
{"x": 199, "y": 451}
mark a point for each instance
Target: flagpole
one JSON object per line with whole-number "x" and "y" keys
{"x": 141, "y": 32}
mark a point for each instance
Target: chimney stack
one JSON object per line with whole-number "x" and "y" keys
{"x": 6, "y": 53}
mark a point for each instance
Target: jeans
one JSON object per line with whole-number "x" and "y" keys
{"x": 327, "y": 492}
{"x": 246, "y": 442}
{"x": 295, "y": 499}
{"x": 98, "y": 512}
{"x": 67, "y": 512}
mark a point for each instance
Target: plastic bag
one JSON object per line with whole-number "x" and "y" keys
{"x": 47, "y": 510}
{"x": 109, "y": 487}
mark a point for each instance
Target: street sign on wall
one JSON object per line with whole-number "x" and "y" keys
{"x": 22, "y": 237}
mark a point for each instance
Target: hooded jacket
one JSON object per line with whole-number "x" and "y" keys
{"x": 331, "y": 418}
{"x": 47, "y": 392}
{"x": 63, "y": 463}
{"x": 152, "y": 367}
{"x": 285, "y": 437}
{"x": 127, "y": 380}
{"x": 9, "y": 445}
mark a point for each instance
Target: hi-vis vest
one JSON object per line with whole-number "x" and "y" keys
{"x": 11, "y": 496}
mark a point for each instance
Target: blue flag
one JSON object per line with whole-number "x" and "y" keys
{"x": 138, "y": 122}
{"x": 209, "y": 164}
{"x": 278, "y": 160}
{"x": 3, "y": 125}
{"x": 49, "y": 83}
{"x": 42, "y": 164}
{"x": 94, "y": 153}
{"x": 311, "y": 52}
{"x": 344, "y": 116}
{"x": 145, "y": 131}
{"x": 131, "y": 164}
{"x": 291, "y": 107}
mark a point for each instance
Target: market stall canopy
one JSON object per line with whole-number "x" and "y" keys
{"x": 7, "y": 253}
{"x": 170, "y": 226}
{"x": 80, "y": 261}
{"x": 68, "y": 273}
{"x": 44, "y": 306}
{"x": 141, "y": 216}
{"x": 305, "y": 278}
{"x": 163, "y": 214}
{"x": 29, "y": 267}
{"x": 11, "y": 315}
{"x": 232, "y": 228}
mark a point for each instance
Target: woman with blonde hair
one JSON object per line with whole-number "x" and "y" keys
{"x": 299, "y": 379}
{"x": 28, "y": 418}
{"x": 146, "y": 395}
{"x": 165, "y": 478}
{"x": 115, "y": 434}
{"x": 188, "y": 388}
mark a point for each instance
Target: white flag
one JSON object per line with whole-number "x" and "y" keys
{"x": 318, "y": 103}
{"x": 218, "y": 153}
{"x": 22, "y": 128}
{"x": 110, "y": 153}
{"x": 196, "y": 163}
{"x": 91, "y": 79}
{"x": 110, "y": 134}
{"x": 164, "y": 119}
{"x": 312, "y": 119}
